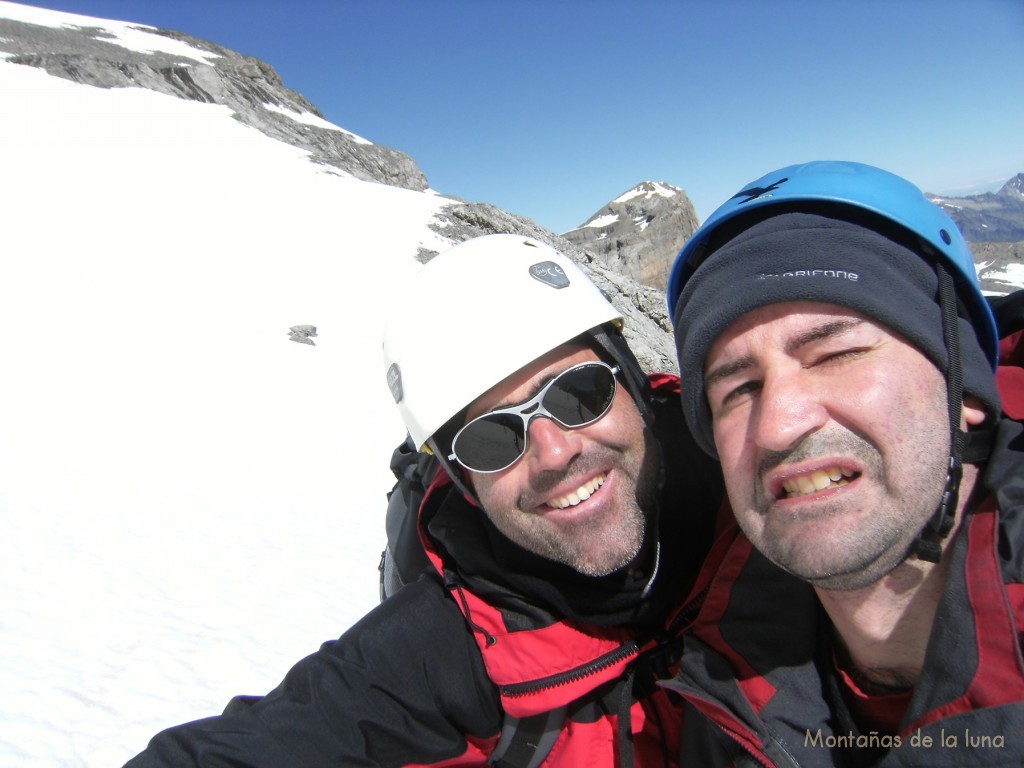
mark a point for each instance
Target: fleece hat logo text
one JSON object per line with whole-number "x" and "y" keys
{"x": 839, "y": 274}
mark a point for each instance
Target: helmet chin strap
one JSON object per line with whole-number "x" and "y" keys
{"x": 459, "y": 476}
{"x": 928, "y": 545}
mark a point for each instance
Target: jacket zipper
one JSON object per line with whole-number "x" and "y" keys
{"x": 623, "y": 652}
{"x": 609, "y": 659}
{"x": 761, "y": 759}
{"x": 688, "y": 614}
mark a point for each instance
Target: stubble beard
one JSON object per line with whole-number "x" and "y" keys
{"x": 603, "y": 544}
{"x": 858, "y": 555}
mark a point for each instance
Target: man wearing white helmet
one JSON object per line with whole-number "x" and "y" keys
{"x": 565, "y": 558}
{"x": 837, "y": 355}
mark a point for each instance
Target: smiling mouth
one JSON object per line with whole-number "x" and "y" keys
{"x": 818, "y": 480}
{"x": 582, "y": 493}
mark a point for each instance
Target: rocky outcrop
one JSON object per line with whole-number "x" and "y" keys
{"x": 198, "y": 70}
{"x": 640, "y": 232}
{"x": 1000, "y": 266}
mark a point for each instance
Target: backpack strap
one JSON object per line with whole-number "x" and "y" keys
{"x": 1009, "y": 313}
{"x": 525, "y": 742}
{"x": 403, "y": 560}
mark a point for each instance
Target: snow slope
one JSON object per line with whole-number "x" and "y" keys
{"x": 190, "y": 501}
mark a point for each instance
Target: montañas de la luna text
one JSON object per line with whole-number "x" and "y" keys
{"x": 916, "y": 740}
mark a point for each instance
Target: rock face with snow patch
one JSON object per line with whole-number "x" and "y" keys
{"x": 129, "y": 55}
{"x": 640, "y": 232}
{"x": 993, "y": 224}
{"x": 1000, "y": 266}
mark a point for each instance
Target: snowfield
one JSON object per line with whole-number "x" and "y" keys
{"x": 190, "y": 501}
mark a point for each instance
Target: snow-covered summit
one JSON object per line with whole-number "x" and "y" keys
{"x": 647, "y": 190}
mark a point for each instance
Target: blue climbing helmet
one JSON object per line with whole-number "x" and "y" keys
{"x": 860, "y": 186}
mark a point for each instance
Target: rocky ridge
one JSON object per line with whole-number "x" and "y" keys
{"x": 189, "y": 68}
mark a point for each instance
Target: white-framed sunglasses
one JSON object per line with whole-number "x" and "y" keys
{"x": 577, "y": 397}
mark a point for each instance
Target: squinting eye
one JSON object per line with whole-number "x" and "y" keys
{"x": 735, "y": 393}
{"x": 744, "y": 389}
{"x": 840, "y": 356}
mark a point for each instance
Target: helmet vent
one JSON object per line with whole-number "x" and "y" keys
{"x": 395, "y": 382}
{"x": 549, "y": 273}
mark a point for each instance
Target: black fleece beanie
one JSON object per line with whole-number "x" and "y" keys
{"x": 811, "y": 257}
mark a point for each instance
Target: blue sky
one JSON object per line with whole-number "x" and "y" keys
{"x": 550, "y": 109}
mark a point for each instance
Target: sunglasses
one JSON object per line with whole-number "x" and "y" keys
{"x": 576, "y": 397}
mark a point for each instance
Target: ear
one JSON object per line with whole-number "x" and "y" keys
{"x": 973, "y": 413}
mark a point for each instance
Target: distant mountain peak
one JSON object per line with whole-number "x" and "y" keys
{"x": 1014, "y": 187}
{"x": 640, "y": 231}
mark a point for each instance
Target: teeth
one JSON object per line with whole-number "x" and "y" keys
{"x": 819, "y": 480}
{"x": 582, "y": 493}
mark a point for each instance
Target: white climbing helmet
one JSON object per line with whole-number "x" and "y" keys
{"x": 476, "y": 314}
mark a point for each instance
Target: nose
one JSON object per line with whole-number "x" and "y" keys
{"x": 789, "y": 409}
{"x": 551, "y": 446}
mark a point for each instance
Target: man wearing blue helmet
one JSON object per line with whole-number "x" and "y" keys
{"x": 837, "y": 356}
